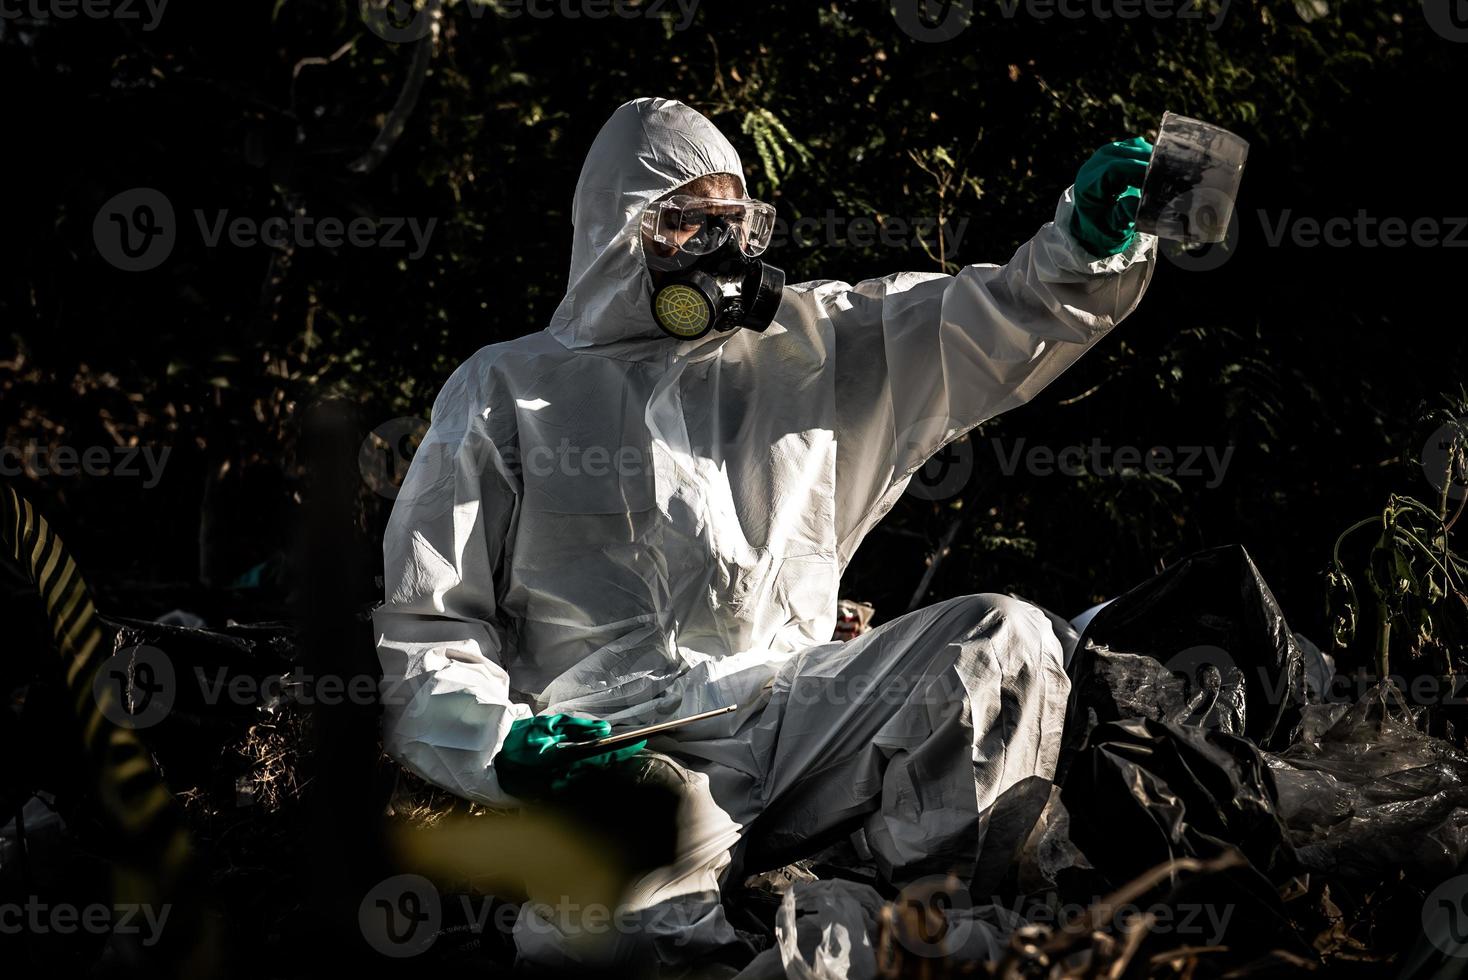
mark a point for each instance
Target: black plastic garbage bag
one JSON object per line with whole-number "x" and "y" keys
{"x": 1202, "y": 643}
{"x": 1144, "y": 792}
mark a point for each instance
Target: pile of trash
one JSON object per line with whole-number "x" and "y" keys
{"x": 1221, "y": 808}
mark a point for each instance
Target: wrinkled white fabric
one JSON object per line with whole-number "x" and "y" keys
{"x": 604, "y": 521}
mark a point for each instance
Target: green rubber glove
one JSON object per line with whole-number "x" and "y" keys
{"x": 531, "y": 767}
{"x": 1107, "y": 191}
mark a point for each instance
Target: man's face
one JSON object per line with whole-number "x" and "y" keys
{"x": 714, "y": 185}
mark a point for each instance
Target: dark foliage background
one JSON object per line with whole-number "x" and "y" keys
{"x": 1315, "y": 364}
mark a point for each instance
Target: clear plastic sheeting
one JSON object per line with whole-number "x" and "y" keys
{"x": 1140, "y": 687}
{"x": 825, "y": 930}
{"x": 845, "y": 930}
{"x": 1365, "y": 792}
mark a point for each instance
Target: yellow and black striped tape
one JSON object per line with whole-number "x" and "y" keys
{"x": 153, "y": 859}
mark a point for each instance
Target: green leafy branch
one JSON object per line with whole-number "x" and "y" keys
{"x": 771, "y": 140}
{"x": 1417, "y": 581}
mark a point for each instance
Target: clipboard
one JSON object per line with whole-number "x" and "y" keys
{"x": 619, "y": 739}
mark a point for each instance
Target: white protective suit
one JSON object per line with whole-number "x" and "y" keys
{"x": 608, "y": 522}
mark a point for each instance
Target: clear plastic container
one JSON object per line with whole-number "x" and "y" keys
{"x": 1192, "y": 181}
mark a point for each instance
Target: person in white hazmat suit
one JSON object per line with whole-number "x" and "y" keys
{"x": 608, "y": 523}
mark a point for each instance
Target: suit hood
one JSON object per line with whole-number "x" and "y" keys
{"x": 648, "y": 148}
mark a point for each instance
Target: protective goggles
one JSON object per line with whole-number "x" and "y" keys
{"x": 682, "y": 228}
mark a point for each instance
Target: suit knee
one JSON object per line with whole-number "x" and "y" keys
{"x": 1012, "y": 626}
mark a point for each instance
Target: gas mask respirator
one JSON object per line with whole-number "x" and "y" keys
{"x": 707, "y": 251}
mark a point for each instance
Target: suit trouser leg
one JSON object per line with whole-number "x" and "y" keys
{"x": 928, "y": 733}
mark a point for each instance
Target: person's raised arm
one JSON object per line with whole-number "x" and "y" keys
{"x": 923, "y": 358}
